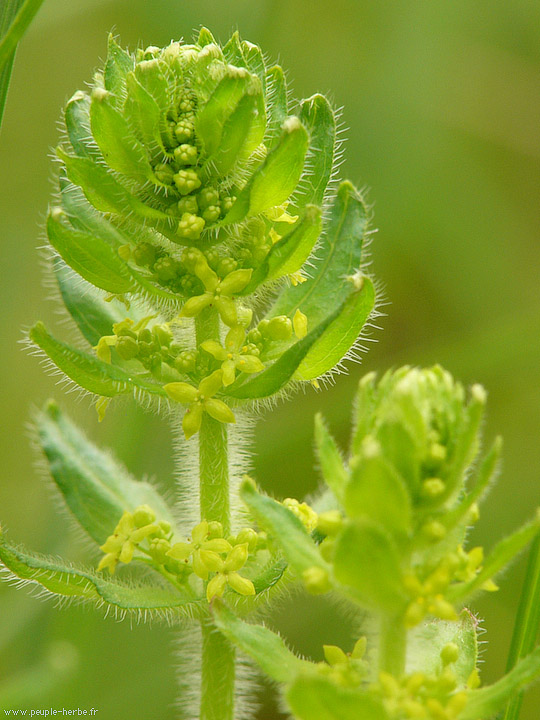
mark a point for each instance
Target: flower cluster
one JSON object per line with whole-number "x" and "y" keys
{"x": 206, "y": 553}
{"x": 190, "y": 187}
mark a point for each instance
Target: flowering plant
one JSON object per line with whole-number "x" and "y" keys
{"x": 212, "y": 265}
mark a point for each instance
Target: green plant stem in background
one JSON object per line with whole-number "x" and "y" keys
{"x": 527, "y": 623}
{"x": 15, "y": 17}
{"x": 392, "y": 645}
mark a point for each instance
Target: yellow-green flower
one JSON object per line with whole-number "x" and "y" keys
{"x": 132, "y": 529}
{"x": 199, "y": 545}
{"x": 227, "y": 572}
{"x": 234, "y": 356}
{"x": 200, "y": 400}
{"x": 218, "y": 293}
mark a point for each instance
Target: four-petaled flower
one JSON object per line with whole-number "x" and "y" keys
{"x": 200, "y": 400}
{"x": 200, "y": 544}
{"x": 218, "y": 293}
{"x": 227, "y": 572}
{"x": 132, "y": 529}
{"x": 234, "y": 356}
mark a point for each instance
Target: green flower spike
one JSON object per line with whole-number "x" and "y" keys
{"x": 131, "y": 530}
{"x": 200, "y": 400}
{"x": 218, "y": 293}
{"x": 235, "y": 356}
{"x": 201, "y": 544}
{"x": 227, "y": 572}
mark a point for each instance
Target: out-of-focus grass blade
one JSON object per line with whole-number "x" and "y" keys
{"x": 527, "y": 623}
{"x": 15, "y": 17}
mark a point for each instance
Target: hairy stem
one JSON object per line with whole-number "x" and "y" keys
{"x": 218, "y": 656}
{"x": 392, "y": 645}
{"x": 218, "y": 671}
{"x": 213, "y": 445}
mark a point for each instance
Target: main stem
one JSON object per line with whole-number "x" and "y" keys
{"x": 218, "y": 655}
{"x": 392, "y": 645}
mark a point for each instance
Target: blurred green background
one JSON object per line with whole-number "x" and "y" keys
{"x": 442, "y": 109}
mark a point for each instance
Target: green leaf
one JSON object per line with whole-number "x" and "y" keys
{"x": 285, "y": 528}
{"x": 15, "y": 17}
{"x": 376, "y": 491}
{"x": 364, "y": 406}
{"x": 468, "y": 442}
{"x": 502, "y": 554}
{"x": 330, "y": 460}
{"x": 338, "y": 257}
{"x": 313, "y": 697}
{"x": 103, "y": 191}
{"x": 152, "y": 75}
{"x": 143, "y": 112}
{"x": 93, "y": 258}
{"x": 367, "y": 561}
{"x": 212, "y": 118}
{"x": 234, "y": 141}
{"x": 487, "y": 701}
{"x": 269, "y": 577}
{"x": 401, "y": 451}
{"x": 77, "y": 119}
{"x": 96, "y": 488}
{"x": 94, "y": 316}
{"x": 254, "y": 61}
{"x": 425, "y": 642}
{"x": 121, "y": 149}
{"x": 292, "y": 250}
{"x": 318, "y": 118}
{"x": 482, "y": 479}
{"x": 265, "y": 647}
{"x": 277, "y": 110}
{"x": 232, "y": 51}
{"x": 340, "y": 335}
{"x": 280, "y": 373}
{"x": 276, "y": 178}
{"x": 60, "y": 579}
{"x": 84, "y": 216}
{"x": 89, "y": 372}
{"x": 205, "y": 37}
{"x": 118, "y": 64}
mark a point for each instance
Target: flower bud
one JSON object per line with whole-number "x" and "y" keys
{"x": 127, "y": 347}
{"x": 144, "y": 254}
{"x": 279, "y": 328}
{"x": 143, "y": 515}
{"x": 316, "y": 580}
{"x": 187, "y": 181}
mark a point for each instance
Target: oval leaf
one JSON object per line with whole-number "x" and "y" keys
{"x": 318, "y": 118}
{"x": 338, "y": 257}
{"x": 313, "y": 697}
{"x": 367, "y": 561}
{"x": 286, "y": 529}
{"x": 96, "y": 488}
{"x": 103, "y": 191}
{"x": 340, "y": 335}
{"x": 276, "y": 178}
{"x": 121, "y": 149}
{"x": 264, "y": 646}
{"x": 93, "y": 258}
{"x": 63, "y": 580}
{"x": 89, "y": 372}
